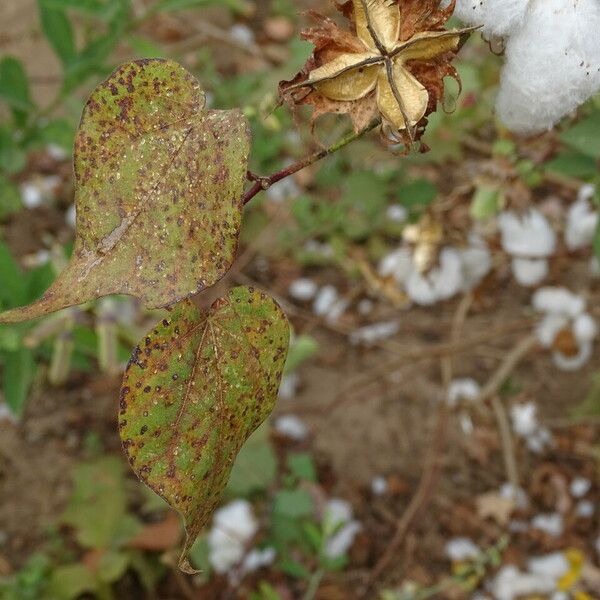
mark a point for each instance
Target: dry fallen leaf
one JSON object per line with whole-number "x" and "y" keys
{"x": 392, "y": 64}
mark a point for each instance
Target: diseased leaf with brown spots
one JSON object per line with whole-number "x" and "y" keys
{"x": 159, "y": 181}
{"x": 195, "y": 389}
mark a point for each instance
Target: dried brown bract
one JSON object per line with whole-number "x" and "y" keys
{"x": 391, "y": 63}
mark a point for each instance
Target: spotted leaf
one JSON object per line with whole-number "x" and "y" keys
{"x": 158, "y": 192}
{"x": 195, "y": 389}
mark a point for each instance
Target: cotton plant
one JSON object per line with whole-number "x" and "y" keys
{"x": 552, "y": 62}
{"x": 566, "y": 328}
{"x": 339, "y": 527}
{"x": 582, "y": 220}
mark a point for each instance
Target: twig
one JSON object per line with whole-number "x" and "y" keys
{"x": 490, "y": 392}
{"x": 264, "y": 183}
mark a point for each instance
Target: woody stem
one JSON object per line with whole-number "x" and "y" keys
{"x": 264, "y": 183}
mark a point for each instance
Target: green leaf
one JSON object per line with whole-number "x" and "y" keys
{"x": 573, "y": 164}
{"x": 14, "y": 86}
{"x": 585, "y": 136}
{"x": 301, "y": 465}
{"x": 112, "y": 566}
{"x": 255, "y": 467}
{"x": 195, "y": 389}
{"x": 13, "y": 290}
{"x": 19, "y": 370}
{"x": 12, "y": 157}
{"x": 94, "y": 7}
{"x": 159, "y": 181}
{"x": 10, "y": 198}
{"x": 59, "y": 32}
{"x": 485, "y": 202}
{"x": 417, "y": 194}
{"x": 97, "y": 509}
{"x": 173, "y": 5}
{"x": 69, "y": 582}
{"x": 293, "y": 504}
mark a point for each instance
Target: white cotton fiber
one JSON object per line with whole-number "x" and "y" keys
{"x": 558, "y": 300}
{"x": 529, "y": 272}
{"x": 442, "y": 282}
{"x": 585, "y": 328}
{"x": 574, "y": 363}
{"x": 552, "y": 64}
{"x": 549, "y": 327}
{"x": 582, "y": 223}
{"x": 398, "y": 264}
{"x": 529, "y": 235}
{"x": 476, "y": 263}
{"x": 498, "y": 17}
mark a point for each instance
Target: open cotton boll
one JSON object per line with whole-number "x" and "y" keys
{"x": 498, "y": 17}
{"x": 511, "y": 584}
{"x": 441, "y": 283}
{"x": 397, "y": 264}
{"x": 371, "y": 334}
{"x": 462, "y": 389}
{"x": 325, "y": 300}
{"x": 291, "y": 427}
{"x": 558, "y": 300}
{"x": 340, "y": 528}
{"x": 553, "y": 565}
{"x": 582, "y": 223}
{"x": 550, "y": 523}
{"x": 529, "y": 235}
{"x": 549, "y": 327}
{"x": 257, "y": 559}
{"x": 476, "y": 264}
{"x": 524, "y": 418}
{"x": 529, "y": 272}
{"x": 233, "y": 527}
{"x": 552, "y": 64}
{"x": 303, "y": 289}
{"x": 585, "y": 328}
{"x": 461, "y": 549}
{"x": 573, "y": 363}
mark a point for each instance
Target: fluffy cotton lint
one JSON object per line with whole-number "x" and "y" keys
{"x": 498, "y": 17}
{"x": 528, "y": 235}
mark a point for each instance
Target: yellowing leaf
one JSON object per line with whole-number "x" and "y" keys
{"x": 159, "y": 181}
{"x": 195, "y": 389}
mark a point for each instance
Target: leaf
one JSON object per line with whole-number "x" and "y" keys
{"x": 255, "y": 467}
{"x": 14, "y": 86}
{"x": 19, "y": 369}
{"x": 98, "y": 507}
{"x": 585, "y": 136}
{"x": 293, "y": 504}
{"x": 10, "y": 198}
{"x": 71, "y": 581}
{"x": 159, "y": 181}
{"x": 57, "y": 29}
{"x": 195, "y": 389}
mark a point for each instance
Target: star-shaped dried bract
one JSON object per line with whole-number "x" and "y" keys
{"x": 392, "y": 64}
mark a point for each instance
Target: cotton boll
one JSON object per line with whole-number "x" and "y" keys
{"x": 585, "y": 509}
{"x": 441, "y": 283}
{"x": 582, "y": 223}
{"x": 233, "y": 527}
{"x": 511, "y": 584}
{"x": 524, "y": 418}
{"x": 580, "y": 486}
{"x": 340, "y": 528}
{"x": 379, "y": 486}
{"x": 325, "y": 300}
{"x": 529, "y": 235}
{"x": 289, "y": 386}
{"x": 585, "y": 328}
{"x": 463, "y": 389}
{"x": 553, "y": 566}
{"x": 397, "y": 213}
{"x": 303, "y": 289}
{"x": 552, "y": 64}
{"x": 558, "y": 300}
{"x": 371, "y": 334}
{"x": 476, "y": 264}
{"x": 551, "y": 524}
{"x": 258, "y": 559}
{"x": 573, "y": 363}
{"x": 498, "y": 17}
{"x": 461, "y": 549}
{"x": 291, "y": 427}
{"x": 397, "y": 264}
{"x": 529, "y": 272}
{"x": 549, "y": 327}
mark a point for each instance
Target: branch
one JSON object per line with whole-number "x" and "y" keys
{"x": 264, "y": 183}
